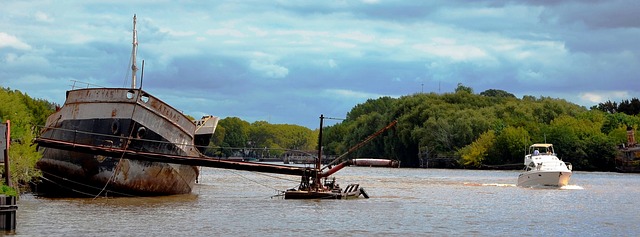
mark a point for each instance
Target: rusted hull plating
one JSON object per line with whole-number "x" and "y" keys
{"x": 107, "y": 117}
{"x": 116, "y": 177}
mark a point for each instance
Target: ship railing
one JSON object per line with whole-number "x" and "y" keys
{"x": 101, "y": 139}
{"x": 83, "y": 85}
{"x": 98, "y": 144}
{"x": 215, "y": 152}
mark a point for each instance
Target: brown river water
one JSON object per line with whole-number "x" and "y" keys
{"x": 404, "y": 202}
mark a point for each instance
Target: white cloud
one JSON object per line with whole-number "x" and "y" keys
{"x": 269, "y": 69}
{"x": 602, "y": 96}
{"x": 352, "y": 95}
{"x": 344, "y": 45}
{"x": 178, "y": 33}
{"x": 226, "y": 32}
{"x": 344, "y": 93}
{"x": 357, "y": 36}
{"x": 43, "y": 17}
{"x": 391, "y": 41}
{"x": 305, "y": 34}
{"x": 10, "y": 41}
{"x": 26, "y": 61}
{"x": 258, "y": 32}
{"x": 10, "y": 58}
{"x": 457, "y": 52}
{"x": 267, "y": 66}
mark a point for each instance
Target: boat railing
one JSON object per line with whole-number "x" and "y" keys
{"x": 100, "y": 139}
{"x": 82, "y": 142}
{"x": 75, "y": 136}
{"x": 83, "y": 85}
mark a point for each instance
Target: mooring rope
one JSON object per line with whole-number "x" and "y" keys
{"x": 80, "y": 184}
{"x": 126, "y": 145}
{"x": 115, "y": 172}
{"x": 261, "y": 184}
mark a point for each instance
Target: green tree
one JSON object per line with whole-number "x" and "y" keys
{"x": 497, "y": 93}
{"x": 581, "y": 142}
{"x": 463, "y": 88}
{"x": 235, "y": 133}
{"x": 475, "y": 153}
{"x": 510, "y": 146}
{"x": 23, "y": 157}
{"x": 25, "y": 114}
{"x": 446, "y": 123}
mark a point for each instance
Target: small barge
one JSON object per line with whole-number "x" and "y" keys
{"x": 313, "y": 187}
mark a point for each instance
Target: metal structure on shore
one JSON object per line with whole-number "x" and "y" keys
{"x": 627, "y": 159}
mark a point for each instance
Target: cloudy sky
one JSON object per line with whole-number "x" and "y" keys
{"x": 290, "y": 61}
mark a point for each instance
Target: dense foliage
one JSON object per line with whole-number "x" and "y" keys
{"x": 631, "y": 107}
{"x": 23, "y": 113}
{"x": 490, "y": 128}
{"x": 235, "y": 137}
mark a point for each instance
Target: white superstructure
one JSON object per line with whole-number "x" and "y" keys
{"x": 543, "y": 168}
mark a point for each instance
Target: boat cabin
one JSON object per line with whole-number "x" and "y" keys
{"x": 541, "y": 149}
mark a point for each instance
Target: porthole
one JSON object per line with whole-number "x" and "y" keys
{"x": 141, "y": 132}
{"x": 130, "y": 94}
{"x": 145, "y": 98}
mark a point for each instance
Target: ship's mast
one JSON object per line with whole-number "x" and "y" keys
{"x": 134, "y": 51}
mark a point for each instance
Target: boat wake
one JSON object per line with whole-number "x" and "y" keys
{"x": 499, "y": 185}
{"x": 566, "y": 187}
{"x": 572, "y": 187}
{"x": 490, "y": 185}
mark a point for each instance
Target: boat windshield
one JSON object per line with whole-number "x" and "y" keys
{"x": 541, "y": 149}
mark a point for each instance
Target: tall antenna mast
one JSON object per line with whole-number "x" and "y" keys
{"x": 134, "y": 51}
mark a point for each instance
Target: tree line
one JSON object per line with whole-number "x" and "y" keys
{"x": 236, "y": 137}
{"x": 480, "y": 130}
{"x": 630, "y": 107}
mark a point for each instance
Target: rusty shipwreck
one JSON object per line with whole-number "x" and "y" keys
{"x": 111, "y": 117}
{"x": 126, "y": 142}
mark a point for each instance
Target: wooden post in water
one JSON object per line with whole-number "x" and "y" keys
{"x": 7, "y": 140}
{"x": 8, "y": 205}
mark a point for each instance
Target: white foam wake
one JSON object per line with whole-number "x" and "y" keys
{"x": 572, "y": 187}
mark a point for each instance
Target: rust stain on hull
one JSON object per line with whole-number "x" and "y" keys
{"x": 131, "y": 177}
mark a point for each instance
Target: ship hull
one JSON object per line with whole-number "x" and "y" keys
{"x": 120, "y": 118}
{"x": 544, "y": 178}
{"x": 107, "y": 176}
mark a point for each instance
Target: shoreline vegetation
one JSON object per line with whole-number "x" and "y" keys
{"x": 25, "y": 113}
{"x": 489, "y": 130}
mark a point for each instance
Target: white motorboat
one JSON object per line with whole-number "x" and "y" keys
{"x": 543, "y": 168}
